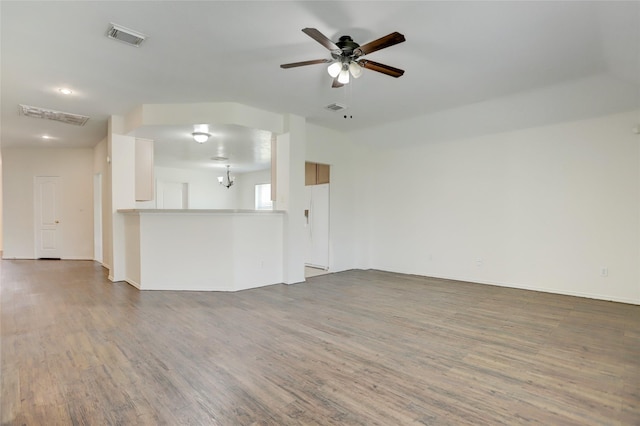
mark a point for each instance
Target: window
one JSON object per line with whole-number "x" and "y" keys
{"x": 263, "y": 197}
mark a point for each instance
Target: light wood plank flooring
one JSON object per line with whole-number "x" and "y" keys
{"x": 352, "y": 348}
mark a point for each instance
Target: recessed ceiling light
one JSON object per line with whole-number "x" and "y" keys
{"x": 46, "y": 137}
{"x": 65, "y": 91}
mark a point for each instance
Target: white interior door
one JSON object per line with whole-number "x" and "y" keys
{"x": 172, "y": 195}
{"x": 48, "y": 231}
{"x": 317, "y": 253}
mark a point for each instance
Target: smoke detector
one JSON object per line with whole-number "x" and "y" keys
{"x": 336, "y": 107}
{"x": 50, "y": 114}
{"x": 125, "y": 35}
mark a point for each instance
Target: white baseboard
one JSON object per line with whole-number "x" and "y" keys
{"x": 530, "y": 288}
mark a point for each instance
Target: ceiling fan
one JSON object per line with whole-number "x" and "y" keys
{"x": 346, "y": 53}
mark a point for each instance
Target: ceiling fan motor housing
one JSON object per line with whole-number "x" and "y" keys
{"x": 347, "y": 48}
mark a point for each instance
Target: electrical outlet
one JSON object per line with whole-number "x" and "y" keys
{"x": 604, "y": 271}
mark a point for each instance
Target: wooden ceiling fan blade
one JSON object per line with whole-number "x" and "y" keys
{"x": 320, "y": 38}
{"x": 336, "y": 83}
{"x": 381, "y": 43}
{"x": 303, "y": 63}
{"x": 384, "y": 69}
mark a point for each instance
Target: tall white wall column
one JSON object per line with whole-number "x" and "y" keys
{"x": 290, "y": 151}
{"x": 122, "y": 152}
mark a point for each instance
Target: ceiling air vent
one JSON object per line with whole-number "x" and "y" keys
{"x": 49, "y": 114}
{"x": 125, "y": 35}
{"x": 336, "y": 107}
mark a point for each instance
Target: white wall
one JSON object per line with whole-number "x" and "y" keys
{"x": 246, "y": 187}
{"x": 75, "y": 168}
{"x": 203, "y": 251}
{"x": 540, "y": 208}
{"x": 331, "y": 147}
{"x": 290, "y": 195}
{"x": 1, "y": 199}
{"x": 121, "y": 150}
{"x": 101, "y": 166}
{"x": 204, "y": 190}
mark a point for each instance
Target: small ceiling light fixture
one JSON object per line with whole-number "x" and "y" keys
{"x": 226, "y": 181}
{"x": 46, "y": 137}
{"x": 200, "y": 137}
{"x": 65, "y": 91}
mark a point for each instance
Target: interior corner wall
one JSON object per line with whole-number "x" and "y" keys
{"x": 553, "y": 208}
{"x": 75, "y": 168}
{"x": 335, "y": 148}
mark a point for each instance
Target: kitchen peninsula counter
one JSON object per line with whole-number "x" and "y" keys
{"x": 202, "y": 249}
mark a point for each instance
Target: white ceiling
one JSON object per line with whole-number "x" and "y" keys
{"x": 456, "y": 53}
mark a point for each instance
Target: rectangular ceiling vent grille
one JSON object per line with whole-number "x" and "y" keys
{"x": 49, "y": 114}
{"x": 125, "y": 35}
{"x": 336, "y": 107}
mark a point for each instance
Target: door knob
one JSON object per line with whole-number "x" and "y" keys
{"x": 57, "y": 221}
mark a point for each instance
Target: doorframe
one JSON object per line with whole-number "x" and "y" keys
{"x": 98, "y": 254}
{"x": 311, "y": 216}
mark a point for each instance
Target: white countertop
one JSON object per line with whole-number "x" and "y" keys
{"x": 200, "y": 211}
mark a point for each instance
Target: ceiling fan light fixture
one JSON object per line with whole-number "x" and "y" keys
{"x": 343, "y": 77}
{"x": 200, "y": 137}
{"x": 355, "y": 69}
{"x": 334, "y": 69}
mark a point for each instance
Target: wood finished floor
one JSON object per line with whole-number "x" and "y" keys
{"x": 354, "y": 348}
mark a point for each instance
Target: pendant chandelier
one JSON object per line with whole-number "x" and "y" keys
{"x": 226, "y": 181}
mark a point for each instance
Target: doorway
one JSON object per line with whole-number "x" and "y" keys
{"x": 172, "y": 195}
